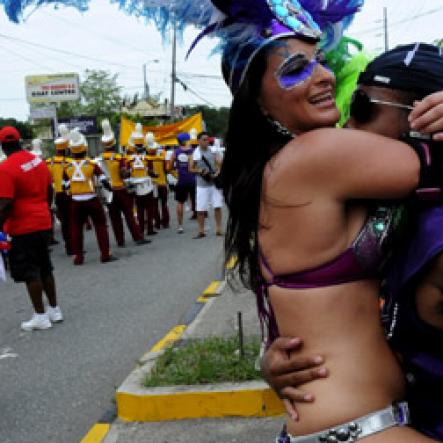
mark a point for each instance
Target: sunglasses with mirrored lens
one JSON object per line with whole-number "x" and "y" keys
{"x": 362, "y": 106}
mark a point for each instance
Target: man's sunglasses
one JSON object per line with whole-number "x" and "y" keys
{"x": 362, "y": 106}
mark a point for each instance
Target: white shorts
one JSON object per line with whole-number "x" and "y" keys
{"x": 210, "y": 196}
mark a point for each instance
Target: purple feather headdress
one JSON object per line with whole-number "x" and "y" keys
{"x": 244, "y": 26}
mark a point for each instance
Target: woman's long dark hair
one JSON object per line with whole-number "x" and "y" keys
{"x": 250, "y": 142}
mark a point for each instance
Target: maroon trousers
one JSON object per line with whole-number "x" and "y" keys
{"x": 80, "y": 211}
{"x": 123, "y": 203}
{"x": 162, "y": 199}
{"x": 145, "y": 212}
{"x": 63, "y": 205}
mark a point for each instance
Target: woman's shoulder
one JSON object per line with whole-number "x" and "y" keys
{"x": 325, "y": 142}
{"x": 308, "y": 144}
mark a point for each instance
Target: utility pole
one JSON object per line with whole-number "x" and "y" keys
{"x": 385, "y": 27}
{"x": 145, "y": 83}
{"x": 174, "y": 63}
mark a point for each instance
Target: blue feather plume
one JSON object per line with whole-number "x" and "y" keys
{"x": 246, "y": 18}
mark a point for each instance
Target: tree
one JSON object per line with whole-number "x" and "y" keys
{"x": 216, "y": 119}
{"x": 100, "y": 96}
{"x": 24, "y": 128}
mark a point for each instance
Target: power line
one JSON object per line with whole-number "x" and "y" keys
{"x": 103, "y": 36}
{"x": 26, "y": 58}
{"x": 12, "y": 99}
{"x": 377, "y": 28}
{"x": 208, "y": 76}
{"x": 48, "y": 58}
{"x": 61, "y": 51}
{"x": 190, "y": 90}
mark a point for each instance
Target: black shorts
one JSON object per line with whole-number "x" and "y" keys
{"x": 183, "y": 191}
{"x": 29, "y": 256}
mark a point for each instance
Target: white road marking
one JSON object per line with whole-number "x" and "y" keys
{"x": 6, "y": 353}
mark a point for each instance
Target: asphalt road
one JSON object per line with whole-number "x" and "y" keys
{"x": 55, "y": 384}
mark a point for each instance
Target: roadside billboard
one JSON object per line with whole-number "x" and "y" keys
{"x": 52, "y": 88}
{"x": 86, "y": 124}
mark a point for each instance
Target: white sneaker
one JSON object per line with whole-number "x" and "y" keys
{"x": 180, "y": 230}
{"x": 54, "y": 314}
{"x": 38, "y": 321}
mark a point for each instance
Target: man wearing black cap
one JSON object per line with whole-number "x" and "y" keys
{"x": 25, "y": 193}
{"x": 390, "y": 87}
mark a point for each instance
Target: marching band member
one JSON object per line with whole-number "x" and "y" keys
{"x": 56, "y": 166}
{"x": 79, "y": 173}
{"x": 140, "y": 176}
{"x": 119, "y": 201}
{"x": 157, "y": 157}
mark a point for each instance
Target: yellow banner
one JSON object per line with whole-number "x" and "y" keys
{"x": 165, "y": 135}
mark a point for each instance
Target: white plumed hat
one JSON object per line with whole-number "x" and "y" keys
{"x": 77, "y": 141}
{"x": 193, "y": 133}
{"x": 137, "y": 137}
{"x": 62, "y": 141}
{"x": 108, "y": 137}
{"x": 150, "y": 141}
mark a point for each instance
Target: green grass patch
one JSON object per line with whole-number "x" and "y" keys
{"x": 211, "y": 360}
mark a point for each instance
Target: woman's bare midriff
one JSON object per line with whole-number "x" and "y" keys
{"x": 342, "y": 323}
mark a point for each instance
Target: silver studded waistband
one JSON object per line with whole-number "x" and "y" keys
{"x": 394, "y": 415}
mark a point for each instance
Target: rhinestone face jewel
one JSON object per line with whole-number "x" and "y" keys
{"x": 291, "y": 14}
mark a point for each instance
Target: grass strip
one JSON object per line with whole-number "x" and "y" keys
{"x": 210, "y": 360}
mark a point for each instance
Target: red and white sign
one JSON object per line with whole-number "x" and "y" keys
{"x": 52, "y": 88}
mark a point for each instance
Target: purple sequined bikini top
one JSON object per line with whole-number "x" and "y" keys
{"x": 361, "y": 260}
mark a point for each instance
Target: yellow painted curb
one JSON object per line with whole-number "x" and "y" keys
{"x": 192, "y": 404}
{"x": 203, "y": 299}
{"x": 97, "y": 433}
{"x": 212, "y": 288}
{"x": 173, "y": 335}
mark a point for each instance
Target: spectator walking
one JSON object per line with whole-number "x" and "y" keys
{"x": 25, "y": 193}
{"x": 185, "y": 187}
{"x": 206, "y": 163}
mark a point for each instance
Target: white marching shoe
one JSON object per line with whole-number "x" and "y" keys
{"x": 38, "y": 321}
{"x": 55, "y": 314}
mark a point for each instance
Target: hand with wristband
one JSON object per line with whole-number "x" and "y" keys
{"x": 5, "y": 244}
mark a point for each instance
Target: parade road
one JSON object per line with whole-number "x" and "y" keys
{"x": 56, "y": 383}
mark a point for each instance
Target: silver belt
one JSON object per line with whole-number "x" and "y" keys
{"x": 394, "y": 415}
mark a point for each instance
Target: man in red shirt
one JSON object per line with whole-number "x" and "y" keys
{"x": 25, "y": 192}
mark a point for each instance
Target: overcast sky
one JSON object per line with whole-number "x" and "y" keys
{"x": 106, "y": 38}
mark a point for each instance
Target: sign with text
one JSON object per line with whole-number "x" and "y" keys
{"x": 86, "y": 124}
{"x": 43, "y": 112}
{"x": 52, "y": 88}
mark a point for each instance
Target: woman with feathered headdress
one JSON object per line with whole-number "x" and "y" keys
{"x": 297, "y": 191}
{"x": 305, "y": 242}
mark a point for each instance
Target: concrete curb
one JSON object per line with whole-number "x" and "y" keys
{"x": 249, "y": 399}
{"x": 134, "y": 403}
